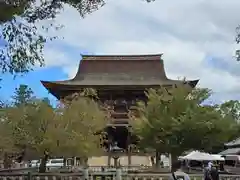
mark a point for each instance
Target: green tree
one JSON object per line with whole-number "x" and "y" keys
{"x": 7, "y": 146}
{"x": 22, "y": 95}
{"x": 171, "y": 118}
{"x": 79, "y": 121}
{"x": 231, "y": 109}
{"x": 30, "y": 124}
{"x": 46, "y": 100}
{"x": 66, "y": 131}
{"x": 13, "y": 141}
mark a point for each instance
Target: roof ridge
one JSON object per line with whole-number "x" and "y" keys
{"x": 232, "y": 142}
{"x": 119, "y": 55}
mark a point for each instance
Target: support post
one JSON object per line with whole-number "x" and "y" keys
{"x": 109, "y": 156}
{"x": 29, "y": 176}
{"x": 109, "y": 160}
{"x": 118, "y": 173}
{"x": 129, "y": 158}
{"x": 115, "y": 161}
{"x": 129, "y": 149}
{"x": 170, "y": 162}
{"x": 85, "y": 174}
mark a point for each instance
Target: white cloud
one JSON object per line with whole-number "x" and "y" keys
{"x": 55, "y": 56}
{"x": 188, "y": 32}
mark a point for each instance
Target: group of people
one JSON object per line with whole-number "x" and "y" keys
{"x": 210, "y": 172}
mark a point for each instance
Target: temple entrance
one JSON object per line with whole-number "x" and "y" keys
{"x": 119, "y": 135}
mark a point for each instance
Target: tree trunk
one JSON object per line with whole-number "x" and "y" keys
{"x": 43, "y": 167}
{"x": 7, "y": 161}
{"x": 21, "y": 155}
{"x": 65, "y": 162}
{"x": 129, "y": 159}
{"x": 84, "y": 162}
{"x": 174, "y": 160}
{"x": 152, "y": 161}
{"x": 158, "y": 154}
{"x": 109, "y": 154}
{"x": 129, "y": 151}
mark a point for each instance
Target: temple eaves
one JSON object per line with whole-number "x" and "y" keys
{"x": 113, "y": 71}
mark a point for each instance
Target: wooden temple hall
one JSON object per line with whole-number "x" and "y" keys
{"x": 120, "y": 80}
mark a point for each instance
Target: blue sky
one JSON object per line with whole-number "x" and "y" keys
{"x": 196, "y": 37}
{"x": 32, "y": 79}
{"x": 46, "y": 73}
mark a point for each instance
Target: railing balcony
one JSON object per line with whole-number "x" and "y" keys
{"x": 119, "y": 115}
{"x": 119, "y": 121}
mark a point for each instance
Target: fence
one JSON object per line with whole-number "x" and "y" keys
{"x": 118, "y": 175}
{"x": 90, "y": 168}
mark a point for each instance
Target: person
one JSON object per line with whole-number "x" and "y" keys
{"x": 211, "y": 172}
{"x": 207, "y": 169}
{"x": 177, "y": 173}
{"x": 214, "y": 172}
{"x": 221, "y": 166}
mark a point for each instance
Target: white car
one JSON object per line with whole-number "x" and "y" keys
{"x": 34, "y": 163}
{"x": 55, "y": 163}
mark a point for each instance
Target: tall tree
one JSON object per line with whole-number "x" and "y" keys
{"x": 79, "y": 121}
{"x": 28, "y": 124}
{"x": 170, "y": 119}
{"x": 230, "y": 109}
{"x": 22, "y": 95}
{"x": 46, "y": 100}
{"x": 66, "y": 131}
{"x": 7, "y": 146}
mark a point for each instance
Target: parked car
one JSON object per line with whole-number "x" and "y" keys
{"x": 34, "y": 163}
{"x": 55, "y": 163}
{"x": 51, "y": 163}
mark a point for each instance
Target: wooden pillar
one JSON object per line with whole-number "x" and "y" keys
{"x": 129, "y": 148}
{"x": 109, "y": 158}
{"x": 129, "y": 157}
{"x": 109, "y": 153}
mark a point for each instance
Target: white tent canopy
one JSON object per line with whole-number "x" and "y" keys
{"x": 219, "y": 157}
{"x": 201, "y": 156}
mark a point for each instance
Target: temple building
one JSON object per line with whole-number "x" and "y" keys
{"x": 120, "y": 81}
{"x": 232, "y": 148}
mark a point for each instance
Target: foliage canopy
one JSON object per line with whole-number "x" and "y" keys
{"x": 172, "y": 121}
{"x": 66, "y": 131}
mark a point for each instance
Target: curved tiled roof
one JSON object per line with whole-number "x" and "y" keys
{"x": 235, "y": 142}
{"x": 230, "y": 151}
{"x": 147, "y": 66}
{"x": 118, "y": 70}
